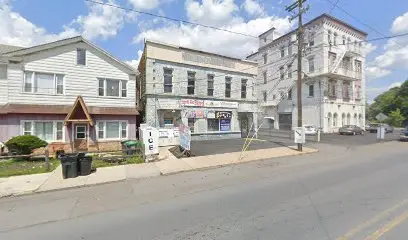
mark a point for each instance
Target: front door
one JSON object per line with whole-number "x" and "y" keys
{"x": 243, "y": 120}
{"x": 80, "y": 137}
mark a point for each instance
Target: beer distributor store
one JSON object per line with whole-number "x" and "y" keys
{"x": 209, "y": 119}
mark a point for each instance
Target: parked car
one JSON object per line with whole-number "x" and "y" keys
{"x": 351, "y": 130}
{"x": 310, "y": 130}
{"x": 374, "y": 126}
{"x": 404, "y": 135}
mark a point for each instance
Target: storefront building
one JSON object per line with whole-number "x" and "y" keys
{"x": 212, "y": 94}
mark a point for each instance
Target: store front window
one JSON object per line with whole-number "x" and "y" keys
{"x": 213, "y": 125}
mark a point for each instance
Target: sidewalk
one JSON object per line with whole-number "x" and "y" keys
{"x": 19, "y": 185}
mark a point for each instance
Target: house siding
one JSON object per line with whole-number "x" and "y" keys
{"x": 79, "y": 80}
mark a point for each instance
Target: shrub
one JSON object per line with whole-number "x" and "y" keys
{"x": 25, "y": 144}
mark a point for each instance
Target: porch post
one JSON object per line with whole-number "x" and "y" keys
{"x": 88, "y": 136}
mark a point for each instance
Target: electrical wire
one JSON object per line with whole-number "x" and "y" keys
{"x": 169, "y": 18}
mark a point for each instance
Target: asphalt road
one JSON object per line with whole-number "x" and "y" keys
{"x": 354, "y": 192}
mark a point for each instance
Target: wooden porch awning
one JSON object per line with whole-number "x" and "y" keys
{"x": 79, "y": 113}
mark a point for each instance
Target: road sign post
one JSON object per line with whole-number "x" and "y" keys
{"x": 300, "y": 136}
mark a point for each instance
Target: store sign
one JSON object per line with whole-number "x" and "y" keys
{"x": 192, "y": 103}
{"x": 220, "y": 104}
{"x": 210, "y": 114}
{"x": 185, "y": 137}
{"x": 225, "y": 125}
{"x": 195, "y": 113}
{"x": 223, "y": 114}
{"x": 212, "y": 60}
{"x": 150, "y": 138}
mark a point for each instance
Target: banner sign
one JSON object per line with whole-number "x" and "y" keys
{"x": 223, "y": 114}
{"x": 225, "y": 125}
{"x": 185, "y": 136}
{"x": 192, "y": 103}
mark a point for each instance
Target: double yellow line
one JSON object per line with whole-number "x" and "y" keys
{"x": 383, "y": 229}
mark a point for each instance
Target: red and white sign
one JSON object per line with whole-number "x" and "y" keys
{"x": 192, "y": 103}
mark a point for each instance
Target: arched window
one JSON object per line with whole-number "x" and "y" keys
{"x": 355, "y": 121}
{"x": 348, "y": 119}
{"x": 335, "y": 120}
{"x": 360, "y": 120}
{"x": 343, "y": 119}
{"x": 329, "y": 120}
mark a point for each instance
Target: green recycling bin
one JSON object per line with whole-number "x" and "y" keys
{"x": 129, "y": 147}
{"x": 69, "y": 165}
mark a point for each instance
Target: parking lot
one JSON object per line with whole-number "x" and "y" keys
{"x": 278, "y": 138}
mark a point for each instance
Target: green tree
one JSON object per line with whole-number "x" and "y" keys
{"x": 396, "y": 118}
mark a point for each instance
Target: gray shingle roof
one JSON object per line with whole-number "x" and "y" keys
{"x": 8, "y": 48}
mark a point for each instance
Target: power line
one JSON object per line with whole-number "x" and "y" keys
{"x": 334, "y": 5}
{"x": 169, "y": 18}
{"x": 358, "y": 20}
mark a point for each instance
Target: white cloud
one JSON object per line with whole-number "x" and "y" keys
{"x": 212, "y": 40}
{"x": 368, "y": 48}
{"x": 395, "y": 50}
{"x": 135, "y": 62}
{"x": 400, "y": 24}
{"x": 145, "y": 4}
{"x": 211, "y": 12}
{"x": 395, "y": 84}
{"x": 376, "y": 72}
{"x": 102, "y": 21}
{"x": 253, "y": 8}
{"x": 17, "y": 30}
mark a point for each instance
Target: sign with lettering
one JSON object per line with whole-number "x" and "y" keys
{"x": 220, "y": 104}
{"x": 195, "y": 113}
{"x": 150, "y": 138}
{"x": 223, "y": 114}
{"x": 212, "y": 60}
{"x": 300, "y": 136}
{"x": 192, "y": 103}
{"x": 225, "y": 125}
{"x": 185, "y": 137}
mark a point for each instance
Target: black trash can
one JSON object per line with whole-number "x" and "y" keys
{"x": 69, "y": 165}
{"x": 85, "y": 165}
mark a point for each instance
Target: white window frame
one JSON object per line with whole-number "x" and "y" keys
{"x": 104, "y": 130}
{"x": 85, "y": 132}
{"x": 33, "y": 78}
{"x": 121, "y": 89}
{"x": 54, "y": 128}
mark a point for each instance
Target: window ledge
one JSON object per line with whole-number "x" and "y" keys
{"x": 111, "y": 139}
{"x": 44, "y": 94}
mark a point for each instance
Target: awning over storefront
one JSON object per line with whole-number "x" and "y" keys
{"x": 79, "y": 113}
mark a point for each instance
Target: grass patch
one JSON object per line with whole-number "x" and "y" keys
{"x": 100, "y": 163}
{"x": 17, "y": 167}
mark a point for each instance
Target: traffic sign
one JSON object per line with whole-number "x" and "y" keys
{"x": 381, "y": 117}
{"x": 300, "y": 135}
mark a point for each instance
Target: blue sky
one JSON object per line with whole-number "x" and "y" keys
{"x": 29, "y": 22}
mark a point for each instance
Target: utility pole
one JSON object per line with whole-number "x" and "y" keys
{"x": 299, "y": 4}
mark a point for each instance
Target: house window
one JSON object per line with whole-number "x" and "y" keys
{"x": 282, "y": 73}
{"x": 344, "y": 40}
{"x": 311, "y": 90}
{"x": 274, "y": 97}
{"x": 168, "y": 80}
{"x": 282, "y": 52}
{"x": 213, "y": 125}
{"x": 290, "y": 49}
{"x": 332, "y": 88}
{"x": 264, "y": 77}
{"x": 290, "y": 94}
{"x": 346, "y": 86}
{"x": 335, "y": 120}
{"x": 289, "y": 71}
{"x": 210, "y": 85}
{"x": 311, "y": 39}
{"x": 80, "y": 132}
{"x": 112, "y": 129}
{"x": 311, "y": 65}
{"x": 332, "y": 58}
{"x": 265, "y": 58}
{"x": 3, "y": 71}
{"x": 112, "y": 87}
{"x": 335, "y": 39}
{"x": 265, "y": 96}
{"x": 46, "y": 130}
{"x": 227, "y": 87}
{"x": 190, "y": 83}
{"x": 191, "y": 122}
{"x": 357, "y": 65}
{"x": 81, "y": 56}
{"x": 329, "y": 36}
{"x": 45, "y": 83}
{"x": 243, "y": 88}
